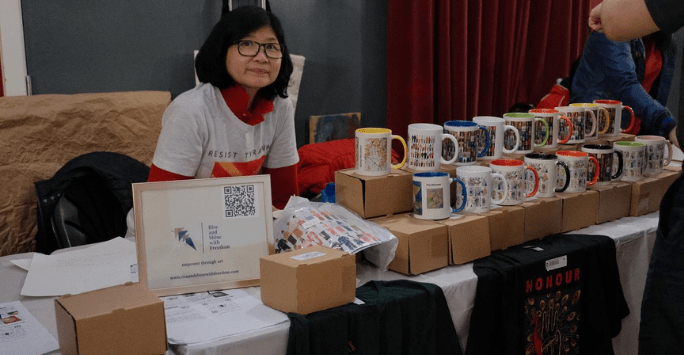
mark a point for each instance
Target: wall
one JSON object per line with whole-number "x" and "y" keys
{"x": 77, "y": 46}
{"x": 12, "y": 48}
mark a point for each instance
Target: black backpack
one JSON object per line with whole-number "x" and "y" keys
{"x": 87, "y": 200}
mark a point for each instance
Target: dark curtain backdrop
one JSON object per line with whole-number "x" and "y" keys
{"x": 459, "y": 59}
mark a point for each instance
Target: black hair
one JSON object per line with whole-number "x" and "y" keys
{"x": 210, "y": 63}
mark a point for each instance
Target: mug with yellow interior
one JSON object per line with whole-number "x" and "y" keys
{"x": 601, "y": 114}
{"x": 374, "y": 151}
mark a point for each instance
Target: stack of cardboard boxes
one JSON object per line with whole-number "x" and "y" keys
{"x": 429, "y": 245}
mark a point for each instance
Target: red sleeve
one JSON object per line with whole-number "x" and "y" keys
{"x": 283, "y": 184}
{"x": 157, "y": 174}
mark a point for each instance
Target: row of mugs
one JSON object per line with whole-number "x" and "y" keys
{"x": 463, "y": 142}
{"x": 511, "y": 181}
{"x": 504, "y": 182}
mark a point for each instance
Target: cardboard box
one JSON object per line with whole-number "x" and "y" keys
{"x": 468, "y": 238}
{"x": 543, "y": 217}
{"x": 308, "y": 280}
{"x": 614, "y": 200}
{"x": 506, "y": 226}
{"x": 124, "y": 319}
{"x": 647, "y": 193}
{"x": 423, "y": 245}
{"x": 579, "y": 209}
{"x": 373, "y": 196}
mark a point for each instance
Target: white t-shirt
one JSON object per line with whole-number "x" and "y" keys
{"x": 202, "y": 137}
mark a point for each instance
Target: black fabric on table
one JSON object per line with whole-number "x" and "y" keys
{"x": 398, "y": 317}
{"x": 588, "y": 302}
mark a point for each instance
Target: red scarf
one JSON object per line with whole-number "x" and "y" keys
{"x": 237, "y": 100}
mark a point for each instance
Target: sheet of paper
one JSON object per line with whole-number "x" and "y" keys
{"x": 21, "y": 333}
{"x": 101, "y": 265}
{"x": 22, "y": 263}
{"x": 208, "y": 316}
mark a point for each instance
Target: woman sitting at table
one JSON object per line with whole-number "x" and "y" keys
{"x": 238, "y": 121}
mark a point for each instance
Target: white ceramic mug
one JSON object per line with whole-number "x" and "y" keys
{"x": 525, "y": 124}
{"x": 579, "y": 117}
{"x": 591, "y": 132}
{"x": 577, "y": 163}
{"x": 432, "y": 195}
{"x": 374, "y": 151}
{"x": 552, "y": 118}
{"x": 604, "y": 154}
{"x": 655, "y": 153}
{"x": 497, "y": 128}
{"x": 634, "y": 160}
{"x": 513, "y": 171}
{"x": 614, "y": 116}
{"x": 425, "y": 147}
{"x": 478, "y": 182}
{"x": 547, "y": 166}
{"x": 466, "y": 133}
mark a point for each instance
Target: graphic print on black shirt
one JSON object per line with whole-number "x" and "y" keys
{"x": 553, "y": 309}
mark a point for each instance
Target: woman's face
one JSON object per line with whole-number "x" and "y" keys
{"x": 253, "y": 73}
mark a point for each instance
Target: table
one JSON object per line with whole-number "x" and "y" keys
{"x": 634, "y": 238}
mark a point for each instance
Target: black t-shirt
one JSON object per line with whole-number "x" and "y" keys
{"x": 398, "y": 317}
{"x": 668, "y": 15}
{"x": 561, "y": 295}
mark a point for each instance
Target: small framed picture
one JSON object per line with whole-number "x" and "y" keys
{"x": 202, "y": 234}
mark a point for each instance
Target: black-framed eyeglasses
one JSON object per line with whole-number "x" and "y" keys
{"x": 251, "y": 49}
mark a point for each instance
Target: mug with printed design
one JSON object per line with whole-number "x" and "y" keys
{"x": 478, "y": 181}
{"x": 547, "y": 166}
{"x": 497, "y": 128}
{"x": 374, "y": 151}
{"x": 525, "y": 123}
{"x": 634, "y": 160}
{"x": 425, "y": 147}
{"x": 604, "y": 154}
{"x": 552, "y": 118}
{"x": 578, "y": 163}
{"x": 514, "y": 173}
{"x": 432, "y": 195}
{"x": 656, "y": 159}
{"x": 591, "y": 132}
{"x": 466, "y": 133}
{"x": 613, "y": 115}
{"x": 580, "y": 118}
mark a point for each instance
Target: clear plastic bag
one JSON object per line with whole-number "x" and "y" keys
{"x": 302, "y": 223}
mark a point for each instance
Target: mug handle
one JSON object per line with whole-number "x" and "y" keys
{"x": 594, "y": 123}
{"x": 546, "y": 128}
{"x": 597, "y": 171}
{"x": 568, "y": 122}
{"x": 403, "y": 142}
{"x": 536, "y": 180}
{"x": 457, "y": 151}
{"x": 567, "y": 176}
{"x": 505, "y": 188}
{"x": 606, "y": 123}
{"x": 632, "y": 120}
{"x": 464, "y": 194}
{"x": 517, "y": 139}
{"x": 668, "y": 160}
{"x": 620, "y": 164}
{"x": 487, "y": 141}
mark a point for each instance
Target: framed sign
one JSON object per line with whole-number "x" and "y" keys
{"x": 202, "y": 234}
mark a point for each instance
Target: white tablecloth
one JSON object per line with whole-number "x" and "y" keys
{"x": 634, "y": 238}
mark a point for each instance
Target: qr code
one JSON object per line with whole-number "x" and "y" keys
{"x": 239, "y": 201}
